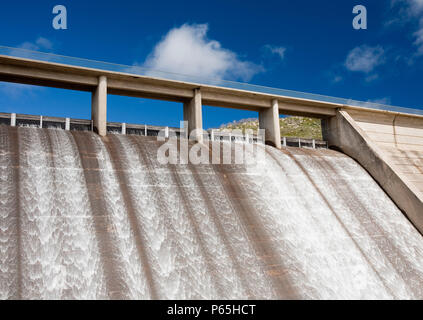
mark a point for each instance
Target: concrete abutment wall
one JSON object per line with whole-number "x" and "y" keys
{"x": 396, "y": 167}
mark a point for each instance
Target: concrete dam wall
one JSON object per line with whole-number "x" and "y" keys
{"x": 390, "y": 147}
{"x": 89, "y": 217}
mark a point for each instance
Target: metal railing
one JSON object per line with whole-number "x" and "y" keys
{"x": 36, "y": 121}
{"x": 142, "y": 71}
{"x": 217, "y": 135}
{"x": 46, "y": 122}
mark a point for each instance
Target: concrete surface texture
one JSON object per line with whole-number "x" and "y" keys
{"x": 400, "y": 137}
{"x": 193, "y": 114}
{"x": 99, "y": 107}
{"x": 269, "y": 121}
{"x": 84, "y": 216}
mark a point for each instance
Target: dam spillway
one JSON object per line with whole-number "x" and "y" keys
{"x": 89, "y": 217}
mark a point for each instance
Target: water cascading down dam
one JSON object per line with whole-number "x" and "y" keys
{"x": 90, "y": 217}
{"x": 99, "y": 216}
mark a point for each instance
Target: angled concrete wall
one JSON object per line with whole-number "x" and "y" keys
{"x": 401, "y": 139}
{"x": 395, "y": 164}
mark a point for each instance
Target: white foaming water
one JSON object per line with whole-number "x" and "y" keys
{"x": 9, "y": 242}
{"x": 43, "y": 276}
{"x": 320, "y": 260}
{"x": 179, "y": 267}
{"x": 119, "y": 228}
{"x": 299, "y": 224}
{"x": 355, "y": 246}
{"x": 220, "y": 230}
{"x": 58, "y": 257}
{"x": 78, "y": 248}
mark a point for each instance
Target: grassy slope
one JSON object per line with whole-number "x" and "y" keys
{"x": 298, "y": 127}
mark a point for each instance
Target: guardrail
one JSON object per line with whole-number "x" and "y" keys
{"x": 24, "y": 120}
{"x": 46, "y": 122}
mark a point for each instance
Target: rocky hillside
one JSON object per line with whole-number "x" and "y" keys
{"x": 299, "y": 127}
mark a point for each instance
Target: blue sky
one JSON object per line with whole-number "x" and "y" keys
{"x": 299, "y": 45}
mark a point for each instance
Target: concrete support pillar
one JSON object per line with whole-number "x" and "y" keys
{"x": 193, "y": 114}
{"x": 269, "y": 121}
{"x": 67, "y": 124}
{"x": 124, "y": 128}
{"x": 99, "y": 107}
{"x": 13, "y": 120}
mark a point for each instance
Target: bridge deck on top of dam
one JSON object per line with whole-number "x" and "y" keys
{"x": 129, "y": 83}
{"x": 82, "y": 75}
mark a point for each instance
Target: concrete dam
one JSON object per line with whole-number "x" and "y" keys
{"x": 90, "y": 217}
{"x": 97, "y": 215}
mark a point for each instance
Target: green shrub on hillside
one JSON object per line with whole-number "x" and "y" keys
{"x": 298, "y": 127}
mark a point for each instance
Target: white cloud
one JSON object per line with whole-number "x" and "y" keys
{"x": 415, "y": 9}
{"x": 15, "y": 90}
{"x": 365, "y": 58}
{"x": 187, "y": 50}
{"x": 384, "y": 101}
{"x": 419, "y": 38}
{"x": 37, "y": 45}
{"x": 28, "y": 46}
{"x": 279, "y": 51}
{"x": 416, "y": 6}
{"x": 412, "y": 10}
{"x": 44, "y": 43}
{"x": 407, "y": 7}
{"x": 337, "y": 79}
{"x": 372, "y": 77}
{"x": 372, "y": 103}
